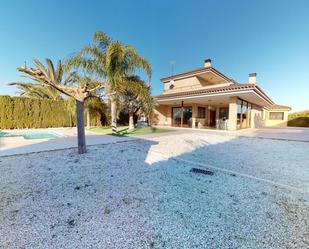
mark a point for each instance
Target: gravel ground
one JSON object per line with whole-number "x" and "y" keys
{"x": 128, "y": 195}
{"x": 285, "y": 162}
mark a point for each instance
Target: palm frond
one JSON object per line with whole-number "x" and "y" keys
{"x": 135, "y": 61}
{"x": 34, "y": 90}
{"x": 101, "y": 39}
{"x": 51, "y": 70}
{"x": 59, "y": 71}
{"x": 109, "y": 60}
{"x": 95, "y": 52}
{"x": 89, "y": 65}
{"x": 40, "y": 67}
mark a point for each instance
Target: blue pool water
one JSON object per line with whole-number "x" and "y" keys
{"x": 30, "y": 135}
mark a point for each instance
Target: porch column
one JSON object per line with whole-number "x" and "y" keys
{"x": 217, "y": 115}
{"x": 208, "y": 115}
{"x": 217, "y": 112}
{"x": 194, "y": 115}
{"x": 233, "y": 114}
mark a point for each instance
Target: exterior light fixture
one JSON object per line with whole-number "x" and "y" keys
{"x": 172, "y": 84}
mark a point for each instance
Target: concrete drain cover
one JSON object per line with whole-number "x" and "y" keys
{"x": 201, "y": 171}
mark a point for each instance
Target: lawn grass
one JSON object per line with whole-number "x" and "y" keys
{"x": 124, "y": 130}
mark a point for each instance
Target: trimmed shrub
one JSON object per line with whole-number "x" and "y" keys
{"x": 21, "y": 112}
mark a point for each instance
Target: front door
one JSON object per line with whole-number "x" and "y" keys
{"x": 212, "y": 118}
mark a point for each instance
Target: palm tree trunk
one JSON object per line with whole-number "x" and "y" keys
{"x": 70, "y": 116}
{"x": 131, "y": 121}
{"x": 114, "y": 116}
{"x": 148, "y": 120}
{"x": 88, "y": 118}
{"x": 81, "y": 139}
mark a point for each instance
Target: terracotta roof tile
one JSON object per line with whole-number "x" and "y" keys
{"x": 230, "y": 88}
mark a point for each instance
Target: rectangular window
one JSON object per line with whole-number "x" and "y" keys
{"x": 249, "y": 107}
{"x": 201, "y": 112}
{"x": 243, "y": 114}
{"x": 176, "y": 116}
{"x": 276, "y": 115}
{"x": 224, "y": 113}
{"x": 239, "y": 102}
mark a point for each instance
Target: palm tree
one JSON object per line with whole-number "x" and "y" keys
{"x": 37, "y": 90}
{"x": 68, "y": 85}
{"x": 110, "y": 61}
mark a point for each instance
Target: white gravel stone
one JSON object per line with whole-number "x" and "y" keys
{"x": 129, "y": 195}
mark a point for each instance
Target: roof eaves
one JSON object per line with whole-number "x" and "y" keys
{"x": 230, "y": 88}
{"x": 183, "y": 74}
{"x": 279, "y": 107}
{"x": 262, "y": 93}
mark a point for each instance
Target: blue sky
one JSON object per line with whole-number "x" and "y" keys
{"x": 267, "y": 37}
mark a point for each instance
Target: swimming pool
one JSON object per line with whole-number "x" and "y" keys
{"x": 30, "y": 135}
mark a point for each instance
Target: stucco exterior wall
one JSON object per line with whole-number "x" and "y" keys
{"x": 233, "y": 114}
{"x": 276, "y": 123}
{"x": 183, "y": 85}
{"x": 187, "y": 84}
{"x": 161, "y": 115}
{"x": 257, "y": 119}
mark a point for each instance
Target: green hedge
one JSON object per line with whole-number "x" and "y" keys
{"x": 20, "y": 112}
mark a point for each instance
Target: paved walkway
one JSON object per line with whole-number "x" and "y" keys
{"x": 18, "y": 145}
{"x": 289, "y": 133}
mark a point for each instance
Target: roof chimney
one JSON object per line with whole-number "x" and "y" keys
{"x": 252, "y": 78}
{"x": 207, "y": 63}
